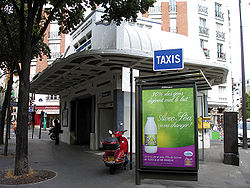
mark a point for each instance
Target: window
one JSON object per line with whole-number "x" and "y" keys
{"x": 220, "y": 54}
{"x": 220, "y": 35}
{"x": 52, "y": 97}
{"x": 172, "y": 6}
{"x": 218, "y": 11}
{"x": 203, "y": 22}
{"x": 219, "y": 27}
{"x": 203, "y": 29}
{"x": 54, "y": 47}
{"x": 203, "y": 44}
{"x": 55, "y": 51}
{"x": 220, "y": 48}
{"x": 54, "y": 31}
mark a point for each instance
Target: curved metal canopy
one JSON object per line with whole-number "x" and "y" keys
{"x": 81, "y": 67}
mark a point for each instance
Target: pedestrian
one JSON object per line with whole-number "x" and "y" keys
{"x": 57, "y": 131}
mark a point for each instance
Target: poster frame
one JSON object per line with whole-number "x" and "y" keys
{"x": 141, "y": 167}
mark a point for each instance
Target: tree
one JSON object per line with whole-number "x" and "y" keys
{"x": 9, "y": 58}
{"x": 248, "y": 105}
{"x": 33, "y": 17}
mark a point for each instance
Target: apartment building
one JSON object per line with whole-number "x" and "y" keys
{"x": 207, "y": 21}
{"x": 49, "y": 104}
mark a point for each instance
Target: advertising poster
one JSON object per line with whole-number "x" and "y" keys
{"x": 168, "y": 127}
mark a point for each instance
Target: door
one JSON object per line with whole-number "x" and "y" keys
{"x": 106, "y": 123}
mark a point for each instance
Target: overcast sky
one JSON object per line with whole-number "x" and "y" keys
{"x": 235, "y": 21}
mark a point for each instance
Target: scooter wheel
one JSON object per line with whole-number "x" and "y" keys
{"x": 52, "y": 137}
{"x": 112, "y": 170}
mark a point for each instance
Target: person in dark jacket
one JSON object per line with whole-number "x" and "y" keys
{"x": 57, "y": 131}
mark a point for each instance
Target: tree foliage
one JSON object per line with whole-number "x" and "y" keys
{"x": 248, "y": 105}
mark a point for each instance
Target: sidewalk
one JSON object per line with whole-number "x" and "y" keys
{"x": 77, "y": 167}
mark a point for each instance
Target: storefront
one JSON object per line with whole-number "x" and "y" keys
{"x": 50, "y": 113}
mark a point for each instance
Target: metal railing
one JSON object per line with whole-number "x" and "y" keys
{"x": 173, "y": 29}
{"x": 53, "y": 35}
{"x": 219, "y": 15}
{"x": 206, "y": 52}
{"x": 204, "y": 30}
{"x": 221, "y": 56}
{"x": 203, "y": 9}
{"x": 55, "y": 55}
{"x": 220, "y": 35}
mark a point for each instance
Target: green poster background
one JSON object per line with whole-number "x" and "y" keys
{"x": 173, "y": 110}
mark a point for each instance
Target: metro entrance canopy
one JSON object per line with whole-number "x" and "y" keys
{"x": 78, "y": 68}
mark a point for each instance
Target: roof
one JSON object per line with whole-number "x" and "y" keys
{"x": 186, "y": 77}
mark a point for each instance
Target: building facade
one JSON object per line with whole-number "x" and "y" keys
{"x": 49, "y": 104}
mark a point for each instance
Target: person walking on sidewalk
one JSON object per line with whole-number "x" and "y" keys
{"x": 57, "y": 131}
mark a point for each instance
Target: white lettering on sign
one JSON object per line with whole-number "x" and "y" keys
{"x": 165, "y": 59}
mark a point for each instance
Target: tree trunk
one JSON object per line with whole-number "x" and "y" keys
{"x": 21, "y": 160}
{"x": 5, "y": 103}
{"x": 7, "y": 128}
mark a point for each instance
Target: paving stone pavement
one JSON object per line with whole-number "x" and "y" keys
{"x": 78, "y": 167}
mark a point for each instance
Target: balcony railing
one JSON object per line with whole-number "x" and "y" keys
{"x": 203, "y": 10}
{"x": 173, "y": 29}
{"x": 154, "y": 10}
{"x": 53, "y": 35}
{"x": 220, "y": 35}
{"x": 204, "y": 30}
{"x": 206, "y": 52}
{"x": 55, "y": 55}
{"x": 219, "y": 15}
{"x": 221, "y": 56}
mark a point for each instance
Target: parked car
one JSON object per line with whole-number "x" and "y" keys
{"x": 240, "y": 133}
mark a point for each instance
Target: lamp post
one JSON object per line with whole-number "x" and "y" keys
{"x": 245, "y": 146}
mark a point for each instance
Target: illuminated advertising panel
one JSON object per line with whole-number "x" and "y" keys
{"x": 169, "y": 128}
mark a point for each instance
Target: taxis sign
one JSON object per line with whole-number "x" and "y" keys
{"x": 168, "y": 59}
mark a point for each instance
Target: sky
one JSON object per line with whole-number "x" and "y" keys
{"x": 235, "y": 37}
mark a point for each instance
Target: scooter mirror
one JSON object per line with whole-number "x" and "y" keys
{"x": 110, "y": 132}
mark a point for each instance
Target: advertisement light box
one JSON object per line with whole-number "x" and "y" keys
{"x": 168, "y": 128}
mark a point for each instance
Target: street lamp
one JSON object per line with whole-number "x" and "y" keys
{"x": 245, "y": 146}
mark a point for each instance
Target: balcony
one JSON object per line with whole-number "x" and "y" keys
{"x": 206, "y": 52}
{"x": 220, "y": 35}
{"x": 219, "y": 15}
{"x": 202, "y": 10}
{"x": 204, "y": 31}
{"x": 221, "y": 56}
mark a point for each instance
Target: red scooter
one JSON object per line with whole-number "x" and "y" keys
{"x": 116, "y": 151}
